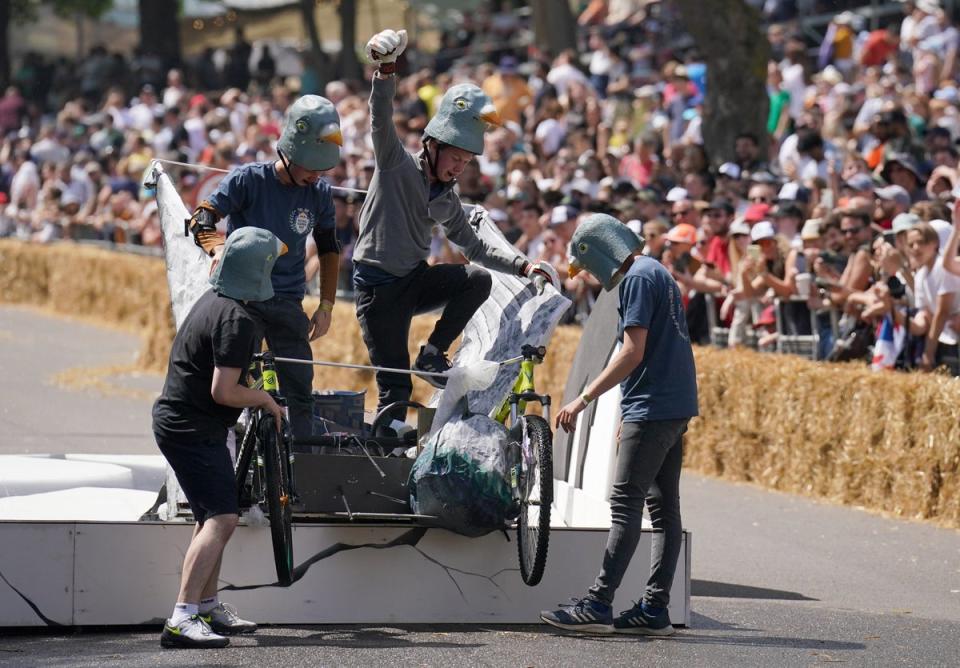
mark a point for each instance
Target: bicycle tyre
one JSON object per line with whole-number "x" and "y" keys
{"x": 533, "y": 523}
{"x": 279, "y": 502}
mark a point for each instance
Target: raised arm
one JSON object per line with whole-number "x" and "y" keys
{"x": 383, "y": 50}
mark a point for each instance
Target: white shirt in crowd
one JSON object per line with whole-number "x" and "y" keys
{"x": 929, "y": 284}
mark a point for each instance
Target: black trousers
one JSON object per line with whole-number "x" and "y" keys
{"x": 286, "y": 328}
{"x": 385, "y": 313}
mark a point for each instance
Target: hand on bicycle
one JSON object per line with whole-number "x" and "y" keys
{"x": 320, "y": 323}
{"x": 567, "y": 417}
{"x": 272, "y": 407}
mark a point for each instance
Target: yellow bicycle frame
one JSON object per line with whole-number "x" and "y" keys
{"x": 524, "y": 383}
{"x": 270, "y": 380}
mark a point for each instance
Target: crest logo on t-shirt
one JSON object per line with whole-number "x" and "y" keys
{"x": 301, "y": 221}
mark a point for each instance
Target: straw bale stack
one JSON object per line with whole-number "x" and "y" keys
{"x": 885, "y": 441}
{"x": 112, "y": 289}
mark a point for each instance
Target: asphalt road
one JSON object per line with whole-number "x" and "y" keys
{"x": 778, "y": 580}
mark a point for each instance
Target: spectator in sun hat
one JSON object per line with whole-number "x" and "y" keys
{"x": 901, "y": 169}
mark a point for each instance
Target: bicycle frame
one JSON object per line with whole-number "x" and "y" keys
{"x": 524, "y": 389}
{"x": 263, "y": 375}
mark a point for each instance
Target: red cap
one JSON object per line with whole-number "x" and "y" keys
{"x": 197, "y": 100}
{"x": 684, "y": 233}
{"x": 756, "y": 212}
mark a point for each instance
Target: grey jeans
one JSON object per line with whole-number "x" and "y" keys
{"x": 648, "y": 471}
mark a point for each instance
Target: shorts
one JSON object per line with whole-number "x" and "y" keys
{"x": 205, "y": 473}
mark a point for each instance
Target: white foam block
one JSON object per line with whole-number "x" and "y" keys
{"x": 35, "y": 475}
{"x": 95, "y": 504}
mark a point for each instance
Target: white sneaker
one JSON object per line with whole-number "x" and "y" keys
{"x": 192, "y": 632}
{"x": 225, "y": 620}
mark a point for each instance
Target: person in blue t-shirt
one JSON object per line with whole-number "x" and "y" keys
{"x": 288, "y": 198}
{"x": 658, "y": 383}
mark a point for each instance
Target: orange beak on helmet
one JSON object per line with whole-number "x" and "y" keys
{"x": 573, "y": 269}
{"x": 489, "y": 114}
{"x": 331, "y": 133}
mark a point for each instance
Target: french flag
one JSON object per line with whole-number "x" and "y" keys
{"x": 891, "y": 338}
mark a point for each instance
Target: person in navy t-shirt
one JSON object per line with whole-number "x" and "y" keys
{"x": 288, "y": 198}
{"x": 658, "y": 384}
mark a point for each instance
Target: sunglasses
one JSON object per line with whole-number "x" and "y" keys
{"x": 851, "y": 230}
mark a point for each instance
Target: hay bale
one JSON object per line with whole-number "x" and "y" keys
{"x": 885, "y": 441}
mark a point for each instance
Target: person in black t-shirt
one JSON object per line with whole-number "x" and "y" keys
{"x": 202, "y": 397}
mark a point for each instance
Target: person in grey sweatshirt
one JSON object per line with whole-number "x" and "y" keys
{"x": 408, "y": 196}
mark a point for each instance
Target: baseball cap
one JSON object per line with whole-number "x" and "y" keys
{"x": 677, "y": 194}
{"x": 763, "y": 176}
{"x": 730, "y": 170}
{"x": 904, "y": 221}
{"x": 859, "y": 181}
{"x": 756, "y": 212}
{"x": 723, "y": 204}
{"x": 787, "y": 210}
{"x": 794, "y": 192}
{"x": 739, "y": 226}
{"x": 810, "y": 230}
{"x": 762, "y": 230}
{"x": 684, "y": 233}
{"x": 562, "y": 214}
{"x": 894, "y": 193}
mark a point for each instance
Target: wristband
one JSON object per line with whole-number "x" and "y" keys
{"x": 326, "y": 306}
{"x": 522, "y": 271}
{"x": 586, "y": 398}
{"x": 388, "y": 68}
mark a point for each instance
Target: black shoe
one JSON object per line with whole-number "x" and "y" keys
{"x": 637, "y": 621}
{"x": 432, "y": 363}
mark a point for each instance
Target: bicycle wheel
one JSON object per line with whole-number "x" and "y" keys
{"x": 278, "y": 499}
{"x": 533, "y": 524}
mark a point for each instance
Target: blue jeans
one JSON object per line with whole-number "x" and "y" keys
{"x": 648, "y": 471}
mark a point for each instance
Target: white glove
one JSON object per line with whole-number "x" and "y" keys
{"x": 386, "y": 46}
{"x": 542, "y": 273}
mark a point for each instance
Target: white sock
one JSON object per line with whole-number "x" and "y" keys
{"x": 182, "y": 612}
{"x": 208, "y": 604}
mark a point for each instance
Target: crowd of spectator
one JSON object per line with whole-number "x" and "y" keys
{"x": 834, "y": 226}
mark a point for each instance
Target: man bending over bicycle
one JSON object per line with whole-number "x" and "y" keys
{"x": 287, "y": 197}
{"x": 202, "y": 397}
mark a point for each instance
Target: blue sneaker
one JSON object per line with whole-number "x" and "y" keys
{"x": 584, "y": 615}
{"x": 638, "y": 621}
